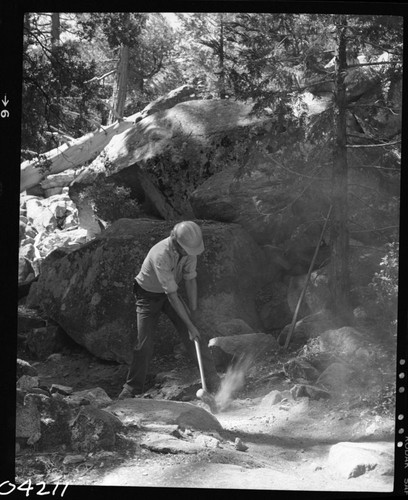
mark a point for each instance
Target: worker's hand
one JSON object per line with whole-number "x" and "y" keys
{"x": 194, "y": 333}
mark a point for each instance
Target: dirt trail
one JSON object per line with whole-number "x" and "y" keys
{"x": 286, "y": 444}
{"x": 286, "y": 450}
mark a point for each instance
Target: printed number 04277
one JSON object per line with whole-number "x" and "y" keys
{"x": 28, "y": 488}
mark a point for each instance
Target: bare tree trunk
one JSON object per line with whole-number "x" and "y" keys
{"x": 69, "y": 155}
{"x": 120, "y": 89}
{"x": 27, "y": 22}
{"x": 221, "y": 80}
{"x": 339, "y": 280}
{"x": 119, "y": 95}
{"x": 55, "y": 29}
{"x": 221, "y": 77}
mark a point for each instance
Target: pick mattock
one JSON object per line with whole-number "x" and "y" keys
{"x": 202, "y": 394}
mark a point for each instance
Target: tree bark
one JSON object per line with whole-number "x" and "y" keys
{"x": 221, "y": 69}
{"x": 120, "y": 92}
{"x": 339, "y": 280}
{"x": 55, "y": 30}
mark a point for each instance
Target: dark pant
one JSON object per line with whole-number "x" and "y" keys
{"x": 149, "y": 305}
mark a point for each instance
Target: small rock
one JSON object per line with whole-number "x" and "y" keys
{"x": 335, "y": 376}
{"x": 239, "y": 445}
{"x": 287, "y": 395}
{"x": 26, "y": 382}
{"x": 62, "y": 389}
{"x": 94, "y": 429}
{"x": 207, "y": 441}
{"x": 38, "y": 390}
{"x": 172, "y": 429}
{"x": 299, "y": 368}
{"x": 24, "y": 368}
{"x": 96, "y": 397}
{"x": 55, "y": 358}
{"x": 73, "y": 459}
{"x": 27, "y": 418}
{"x": 163, "y": 443}
{"x": 303, "y": 390}
{"x": 273, "y": 398}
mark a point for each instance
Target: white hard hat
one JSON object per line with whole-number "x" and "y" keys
{"x": 188, "y": 236}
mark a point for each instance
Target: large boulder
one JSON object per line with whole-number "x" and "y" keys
{"x": 254, "y": 202}
{"x": 88, "y": 292}
{"x": 307, "y": 328}
{"x": 168, "y": 153}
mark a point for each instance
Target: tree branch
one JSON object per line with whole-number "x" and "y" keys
{"x": 373, "y": 64}
{"x": 373, "y": 145}
{"x": 374, "y": 106}
{"x": 378, "y": 167}
{"x": 293, "y": 171}
{"x": 374, "y": 230}
{"x": 98, "y": 78}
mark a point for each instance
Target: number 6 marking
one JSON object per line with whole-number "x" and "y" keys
{"x": 5, "y": 113}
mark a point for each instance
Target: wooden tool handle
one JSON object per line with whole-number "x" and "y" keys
{"x": 200, "y": 364}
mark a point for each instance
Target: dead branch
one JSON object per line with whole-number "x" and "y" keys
{"x": 99, "y": 78}
{"x": 373, "y": 145}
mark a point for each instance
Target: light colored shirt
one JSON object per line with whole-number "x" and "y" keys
{"x": 163, "y": 268}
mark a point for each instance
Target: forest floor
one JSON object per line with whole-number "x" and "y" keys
{"x": 286, "y": 446}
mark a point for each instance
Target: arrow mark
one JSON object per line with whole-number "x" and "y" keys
{"x": 5, "y": 101}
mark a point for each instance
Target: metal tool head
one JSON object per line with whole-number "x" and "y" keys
{"x": 208, "y": 400}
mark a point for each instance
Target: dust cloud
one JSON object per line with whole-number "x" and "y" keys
{"x": 233, "y": 381}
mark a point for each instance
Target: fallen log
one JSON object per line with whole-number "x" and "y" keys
{"x": 88, "y": 147}
{"x": 69, "y": 155}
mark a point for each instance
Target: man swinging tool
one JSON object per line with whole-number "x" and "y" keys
{"x": 155, "y": 288}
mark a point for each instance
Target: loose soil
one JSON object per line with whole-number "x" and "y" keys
{"x": 286, "y": 445}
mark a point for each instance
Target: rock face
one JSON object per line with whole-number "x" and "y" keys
{"x": 88, "y": 292}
